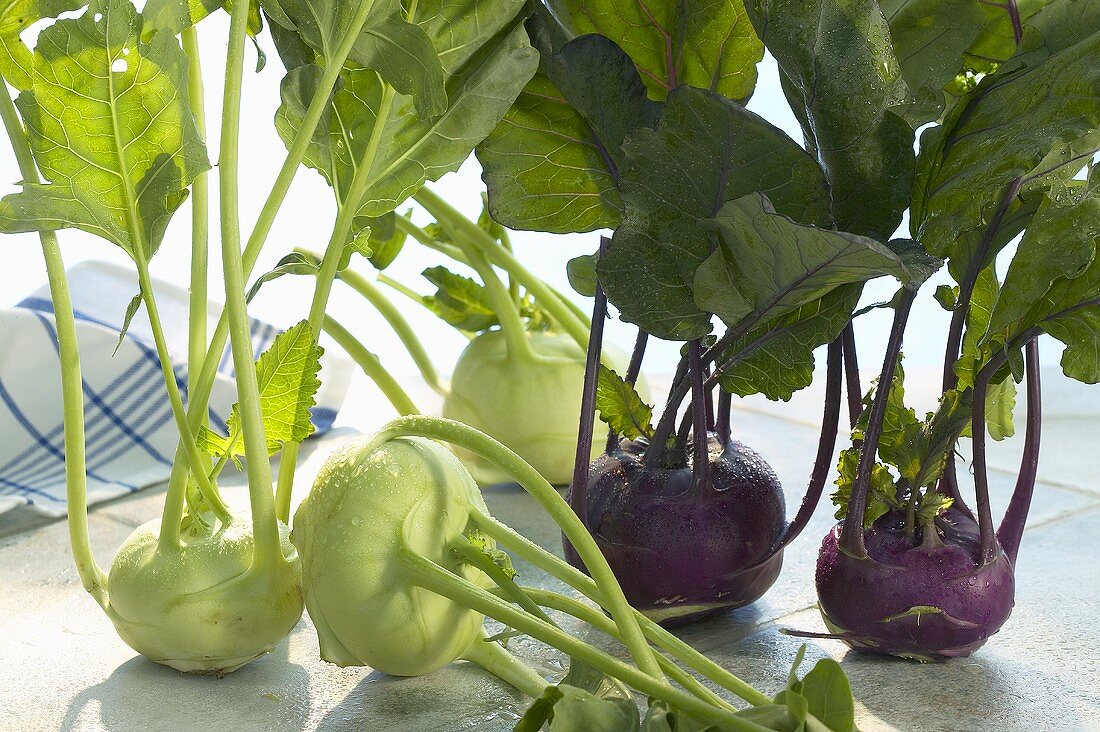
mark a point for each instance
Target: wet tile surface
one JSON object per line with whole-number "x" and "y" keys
{"x": 63, "y": 667}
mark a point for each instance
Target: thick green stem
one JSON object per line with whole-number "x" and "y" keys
{"x": 330, "y": 267}
{"x": 432, "y": 577}
{"x": 570, "y": 575}
{"x": 456, "y": 433}
{"x": 371, "y": 366}
{"x": 199, "y": 391}
{"x": 450, "y": 218}
{"x": 502, "y": 664}
{"x": 511, "y": 324}
{"x": 601, "y": 622}
{"x": 170, "y": 523}
{"x": 398, "y": 324}
{"x": 265, "y": 527}
{"x": 200, "y": 240}
{"x": 92, "y": 577}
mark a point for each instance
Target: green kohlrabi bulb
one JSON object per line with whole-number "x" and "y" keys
{"x": 366, "y": 507}
{"x": 204, "y": 608}
{"x": 530, "y": 404}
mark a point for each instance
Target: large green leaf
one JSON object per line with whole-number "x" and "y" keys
{"x": 706, "y": 151}
{"x": 16, "y": 60}
{"x": 777, "y": 358}
{"x": 486, "y": 60}
{"x": 400, "y": 51}
{"x": 841, "y": 78}
{"x": 768, "y": 265}
{"x": 930, "y": 40}
{"x": 1053, "y": 282}
{"x": 1024, "y": 124}
{"x": 708, "y": 44}
{"x": 110, "y": 128}
{"x": 552, "y": 164}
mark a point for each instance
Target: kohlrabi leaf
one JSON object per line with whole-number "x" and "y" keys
{"x": 581, "y": 272}
{"x": 660, "y": 717}
{"x": 295, "y": 263}
{"x": 1020, "y": 125}
{"x": 768, "y": 265}
{"x": 1061, "y": 23}
{"x": 930, "y": 39}
{"x": 176, "y": 15}
{"x": 930, "y": 505}
{"x": 828, "y": 695}
{"x": 619, "y": 405}
{"x": 1000, "y": 402}
{"x": 111, "y": 130}
{"x": 287, "y": 376}
{"x": 777, "y": 358}
{"x": 553, "y": 162}
{"x": 483, "y": 544}
{"x": 486, "y": 60}
{"x": 586, "y": 700}
{"x": 16, "y": 60}
{"x": 972, "y": 356}
{"x": 398, "y": 50}
{"x": 706, "y": 151}
{"x": 460, "y": 301}
{"x": 841, "y": 77}
{"x": 386, "y": 240}
{"x": 917, "y": 448}
{"x": 697, "y": 43}
{"x": 947, "y": 296}
{"x": 1053, "y": 282}
{"x": 882, "y": 496}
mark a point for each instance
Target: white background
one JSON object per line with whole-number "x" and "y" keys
{"x": 308, "y": 214}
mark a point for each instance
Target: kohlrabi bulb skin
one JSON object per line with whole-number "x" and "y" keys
{"x": 922, "y": 602}
{"x": 365, "y": 508}
{"x": 681, "y": 554}
{"x": 204, "y": 608}
{"x": 531, "y": 405}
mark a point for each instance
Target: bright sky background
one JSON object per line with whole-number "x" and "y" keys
{"x": 307, "y": 217}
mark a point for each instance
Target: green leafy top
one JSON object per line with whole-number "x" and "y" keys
{"x": 414, "y": 133}
{"x": 109, "y": 124}
{"x": 620, "y": 406}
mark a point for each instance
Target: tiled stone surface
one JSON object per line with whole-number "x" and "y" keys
{"x": 63, "y": 667}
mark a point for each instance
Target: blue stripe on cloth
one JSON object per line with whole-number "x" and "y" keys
{"x": 322, "y": 418}
{"x": 30, "y": 429}
{"x": 93, "y": 440}
{"x": 108, "y": 411}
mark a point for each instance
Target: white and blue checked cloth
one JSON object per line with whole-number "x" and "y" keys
{"x": 131, "y": 435}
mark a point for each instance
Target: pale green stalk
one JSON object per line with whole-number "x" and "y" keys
{"x": 502, "y": 664}
{"x": 432, "y": 577}
{"x": 330, "y": 267}
{"x": 570, "y": 575}
{"x": 200, "y": 234}
{"x": 371, "y": 366}
{"x": 601, "y": 622}
{"x": 511, "y": 324}
{"x": 460, "y": 226}
{"x": 92, "y": 577}
{"x": 199, "y": 391}
{"x": 265, "y": 527}
{"x": 397, "y": 323}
